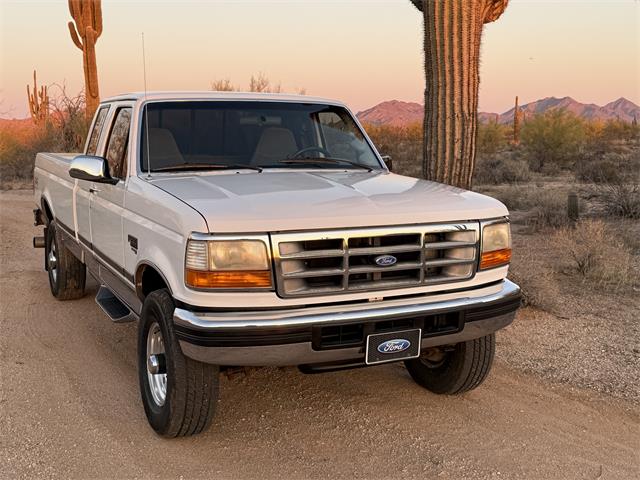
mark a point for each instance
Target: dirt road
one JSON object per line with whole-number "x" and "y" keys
{"x": 70, "y": 408}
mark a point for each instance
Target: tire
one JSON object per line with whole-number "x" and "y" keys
{"x": 460, "y": 369}
{"x": 67, "y": 274}
{"x": 190, "y": 387}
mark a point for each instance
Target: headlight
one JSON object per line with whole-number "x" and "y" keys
{"x": 496, "y": 245}
{"x": 227, "y": 264}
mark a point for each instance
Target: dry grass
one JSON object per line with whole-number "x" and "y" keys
{"x": 596, "y": 254}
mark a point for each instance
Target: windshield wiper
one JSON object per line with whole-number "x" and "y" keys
{"x": 205, "y": 166}
{"x": 331, "y": 160}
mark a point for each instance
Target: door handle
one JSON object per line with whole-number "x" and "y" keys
{"x": 94, "y": 190}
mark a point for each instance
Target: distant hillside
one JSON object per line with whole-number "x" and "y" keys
{"x": 393, "y": 112}
{"x": 399, "y": 113}
{"x": 621, "y": 109}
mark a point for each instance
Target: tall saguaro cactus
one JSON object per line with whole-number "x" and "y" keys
{"x": 452, "y": 34}
{"x": 517, "y": 116}
{"x": 87, "y": 15}
{"x": 38, "y": 102}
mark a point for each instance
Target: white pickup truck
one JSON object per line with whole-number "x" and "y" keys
{"x": 252, "y": 230}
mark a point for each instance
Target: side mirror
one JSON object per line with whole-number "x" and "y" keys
{"x": 91, "y": 168}
{"x": 388, "y": 161}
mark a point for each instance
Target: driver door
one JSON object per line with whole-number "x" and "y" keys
{"x": 107, "y": 201}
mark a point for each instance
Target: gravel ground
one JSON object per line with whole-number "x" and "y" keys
{"x": 70, "y": 407}
{"x": 590, "y": 335}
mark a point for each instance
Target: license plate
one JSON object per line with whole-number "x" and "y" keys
{"x": 393, "y": 346}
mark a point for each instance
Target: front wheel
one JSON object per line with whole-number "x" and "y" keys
{"x": 179, "y": 394}
{"x": 455, "y": 369}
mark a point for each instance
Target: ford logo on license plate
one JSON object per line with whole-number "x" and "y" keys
{"x": 385, "y": 260}
{"x": 394, "y": 346}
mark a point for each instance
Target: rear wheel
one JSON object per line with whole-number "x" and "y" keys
{"x": 454, "y": 369}
{"x": 67, "y": 274}
{"x": 179, "y": 394}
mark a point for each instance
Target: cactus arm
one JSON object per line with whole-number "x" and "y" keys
{"x": 419, "y": 4}
{"x": 493, "y": 9}
{"x": 97, "y": 18}
{"x": 74, "y": 36}
{"x": 76, "y": 10}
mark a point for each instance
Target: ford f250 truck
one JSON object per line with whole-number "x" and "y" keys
{"x": 254, "y": 230}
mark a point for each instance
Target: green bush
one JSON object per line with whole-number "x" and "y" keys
{"x": 552, "y": 140}
{"x": 492, "y": 138}
{"x": 403, "y": 144}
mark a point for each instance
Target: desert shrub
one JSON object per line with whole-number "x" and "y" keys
{"x": 545, "y": 207}
{"x": 552, "y": 140}
{"x": 500, "y": 168}
{"x": 548, "y": 209}
{"x": 403, "y": 144}
{"x": 492, "y": 138}
{"x": 620, "y": 199}
{"x": 537, "y": 282}
{"x": 595, "y": 253}
{"x": 65, "y": 131}
{"x": 605, "y": 168}
{"x": 618, "y": 130}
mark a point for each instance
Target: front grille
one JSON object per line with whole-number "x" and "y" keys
{"x": 332, "y": 262}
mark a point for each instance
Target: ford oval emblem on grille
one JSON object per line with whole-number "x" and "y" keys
{"x": 394, "y": 346}
{"x": 385, "y": 260}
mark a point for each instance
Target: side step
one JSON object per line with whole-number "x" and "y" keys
{"x": 117, "y": 311}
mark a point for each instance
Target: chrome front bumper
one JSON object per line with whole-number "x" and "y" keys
{"x": 284, "y": 337}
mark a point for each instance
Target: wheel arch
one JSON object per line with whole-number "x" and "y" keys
{"x": 148, "y": 278}
{"x": 45, "y": 205}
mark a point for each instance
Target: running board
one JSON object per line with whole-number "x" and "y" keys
{"x": 117, "y": 311}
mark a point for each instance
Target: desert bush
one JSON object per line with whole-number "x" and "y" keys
{"x": 500, "y": 168}
{"x": 605, "y": 168}
{"x": 552, "y": 140}
{"x": 17, "y": 155}
{"x": 65, "y": 131}
{"x": 595, "y": 253}
{"x": 545, "y": 207}
{"x": 620, "y": 199}
{"x": 537, "y": 282}
{"x": 492, "y": 138}
{"x": 548, "y": 209}
{"x": 403, "y": 144}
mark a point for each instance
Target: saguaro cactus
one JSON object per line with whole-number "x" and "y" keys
{"x": 452, "y": 33}
{"x": 38, "y": 102}
{"x": 87, "y": 15}
{"x": 517, "y": 116}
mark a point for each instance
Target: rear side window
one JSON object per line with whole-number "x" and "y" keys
{"x": 118, "y": 142}
{"x": 97, "y": 129}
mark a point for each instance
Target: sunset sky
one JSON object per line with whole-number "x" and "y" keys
{"x": 362, "y": 52}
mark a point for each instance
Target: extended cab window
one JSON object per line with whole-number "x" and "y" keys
{"x": 118, "y": 142}
{"x": 97, "y": 129}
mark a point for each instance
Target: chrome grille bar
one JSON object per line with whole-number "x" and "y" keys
{"x": 333, "y": 262}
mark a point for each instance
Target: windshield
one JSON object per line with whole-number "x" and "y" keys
{"x": 233, "y": 134}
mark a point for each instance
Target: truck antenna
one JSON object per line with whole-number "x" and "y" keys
{"x": 146, "y": 109}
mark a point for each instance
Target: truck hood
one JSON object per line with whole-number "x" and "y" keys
{"x": 279, "y": 200}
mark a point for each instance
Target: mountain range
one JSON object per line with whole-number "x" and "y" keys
{"x": 398, "y": 113}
